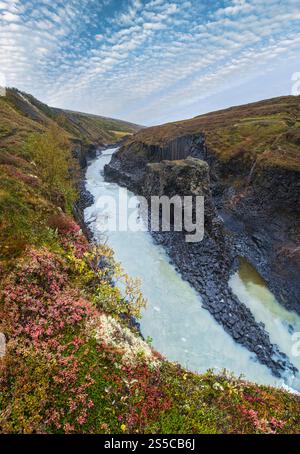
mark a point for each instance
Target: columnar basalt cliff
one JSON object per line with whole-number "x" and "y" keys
{"x": 129, "y": 163}
{"x": 250, "y": 209}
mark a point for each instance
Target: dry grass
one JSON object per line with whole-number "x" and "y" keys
{"x": 268, "y": 130}
{"x": 22, "y": 114}
{"x": 15, "y": 127}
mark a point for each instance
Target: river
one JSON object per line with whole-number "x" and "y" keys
{"x": 174, "y": 319}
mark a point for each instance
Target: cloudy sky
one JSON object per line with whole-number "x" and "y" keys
{"x": 150, "y": 61}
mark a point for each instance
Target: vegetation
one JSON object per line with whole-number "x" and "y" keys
{"x": 15, "y": 128}
{"x": 93, "y": 128}
{"x": 74, "y": 359}
{"x": 50, "y": 154}
{"x": 267, "y": 131}
{"x": 71, "y": 367}
{"x": 88, "y": 128}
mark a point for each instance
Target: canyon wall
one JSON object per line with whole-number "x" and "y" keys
{"x": 239, "y": 200}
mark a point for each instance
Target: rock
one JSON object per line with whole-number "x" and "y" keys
{"x": 2, "y": 345}
{"x": 209, "y": 264}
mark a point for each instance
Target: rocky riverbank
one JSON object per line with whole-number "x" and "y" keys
{"x": 208, "y": 265}
{"x": 83, "y": 153}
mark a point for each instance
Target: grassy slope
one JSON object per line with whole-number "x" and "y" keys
{"x": 72, "y": 364}
{"x": 94, "y": 128}
{"x": 88, "y": 128}
{"x": 15, "y": 127}
{"x": 267, "y": 130}
{"x": 21, "y": 116}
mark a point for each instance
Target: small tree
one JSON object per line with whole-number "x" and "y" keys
{"x": 51, "y": 154}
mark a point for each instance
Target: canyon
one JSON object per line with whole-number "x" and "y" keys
{"x": 76, "y": 353}
{"x": 251, "y": 206}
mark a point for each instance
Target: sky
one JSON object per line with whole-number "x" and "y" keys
{"x": 150, "y": 61}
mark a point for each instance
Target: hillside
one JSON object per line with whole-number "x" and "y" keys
{"x": 93, "y": 127}
{"x": 266, "y": 130}
{"x": 73, "y": 362}
{"x": 21, "y": 113}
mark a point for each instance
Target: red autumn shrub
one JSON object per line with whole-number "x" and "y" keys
{"x": 70, "y": 234}
{"x": 29, "y": 179}
{"x": 42, "y": 314}
{"x": 38, "y": 303}
{"x": 63, "y": 224}
{"x": 147, "y": 398}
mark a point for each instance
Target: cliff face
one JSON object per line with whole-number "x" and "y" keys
{"x": 179, "y": 148}
{"x": 258, "y": 206}
{"x": 188, "y": 177}
{"x": 129, "y": 164}
{"x": 254, "y": 157}
{"x": 262, "y": 212}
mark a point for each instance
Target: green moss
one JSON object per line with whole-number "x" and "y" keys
{"x": 23, "y": 217}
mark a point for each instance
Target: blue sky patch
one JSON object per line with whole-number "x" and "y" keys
{"x": 150, "y": 61}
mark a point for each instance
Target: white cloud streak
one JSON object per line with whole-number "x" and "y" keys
{"x": 146, "y": 58}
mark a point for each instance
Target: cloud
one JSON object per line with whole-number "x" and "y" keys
{"x": 143, "y": 59}
{"x": 237, "y": 7}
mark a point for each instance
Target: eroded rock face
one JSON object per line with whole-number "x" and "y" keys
{"x": 189, "y": 177}
{"x": 129, "y": 164}
{"x": 83, "y": 152}
{"x": 260, "y": 208}
{"x": 258, "y": 205}
{"x": 238, "y": 204}
{"x": 177, "y": 149}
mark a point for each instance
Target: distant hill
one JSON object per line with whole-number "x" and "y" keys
{"x": 94, "y": 127}
{"x": 21, "y": 113}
